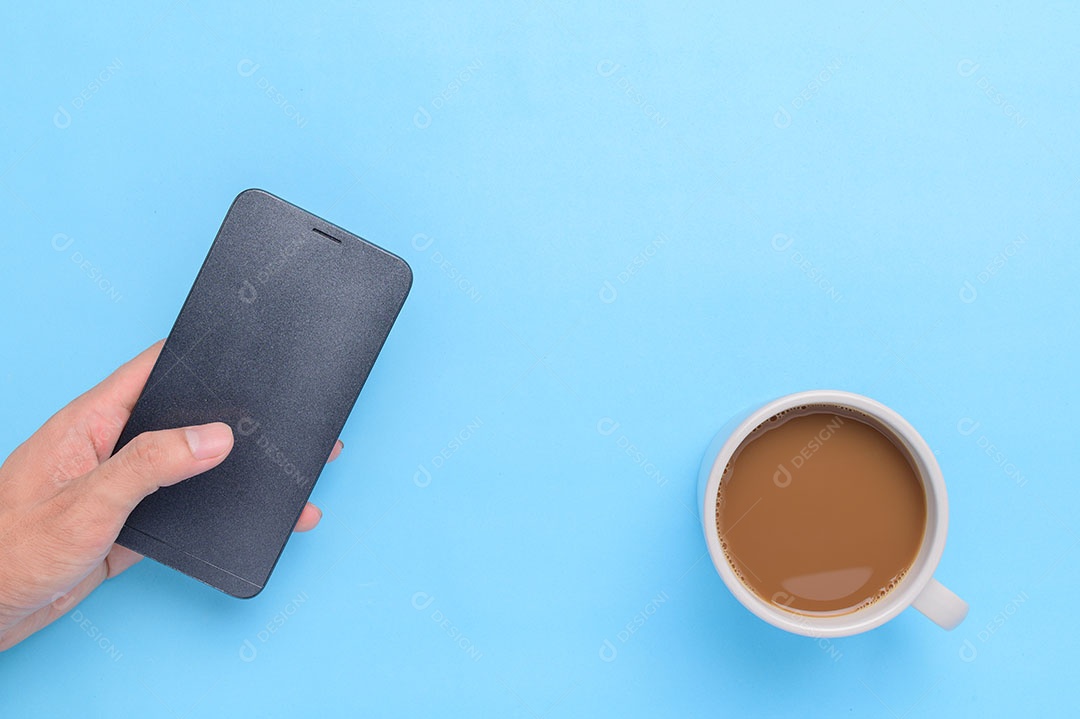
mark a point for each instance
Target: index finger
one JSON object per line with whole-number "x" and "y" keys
{"x": 103, "y": 410}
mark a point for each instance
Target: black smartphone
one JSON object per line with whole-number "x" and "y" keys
{"x": 276, "y": 338}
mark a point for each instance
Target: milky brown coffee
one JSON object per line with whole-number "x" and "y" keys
{"x": 820, "y": 512}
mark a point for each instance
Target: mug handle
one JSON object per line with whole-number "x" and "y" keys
{"x": 940, "y": 605}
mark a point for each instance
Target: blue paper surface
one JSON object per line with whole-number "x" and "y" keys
{"x": 626, "y": 225}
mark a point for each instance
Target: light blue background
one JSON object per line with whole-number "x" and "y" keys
{"x": 927, "y": 258}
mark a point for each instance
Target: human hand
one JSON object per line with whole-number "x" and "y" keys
{"x": 64, "y": 498}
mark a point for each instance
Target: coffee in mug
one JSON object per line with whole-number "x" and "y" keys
{"x": 820, "y": 511}
{"x": 825, "y": 514}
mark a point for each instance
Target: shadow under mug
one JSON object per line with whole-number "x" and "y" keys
{"x": 918, "y": 588}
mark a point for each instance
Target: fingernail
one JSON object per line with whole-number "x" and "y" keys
{"x": 209, "y": 440}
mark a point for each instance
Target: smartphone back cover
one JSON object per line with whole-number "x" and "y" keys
{"x": 276, "y": 338}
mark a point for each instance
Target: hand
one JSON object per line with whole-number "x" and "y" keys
{"x": 64, "y": 498}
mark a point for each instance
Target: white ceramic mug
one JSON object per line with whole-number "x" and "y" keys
{"x": 918, "y": 588}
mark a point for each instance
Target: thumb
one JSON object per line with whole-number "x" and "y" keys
{"x": 153, "y": 460}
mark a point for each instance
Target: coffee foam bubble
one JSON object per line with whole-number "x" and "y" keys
{"x": 881, "y": 594}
